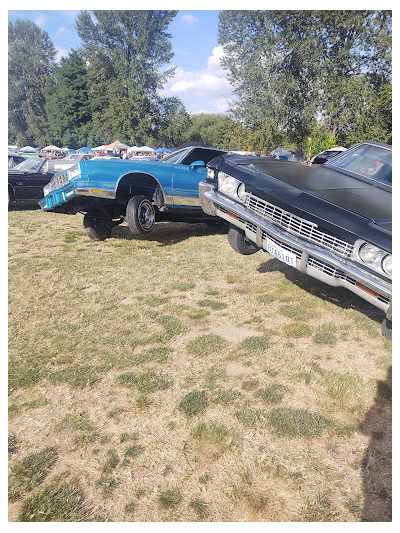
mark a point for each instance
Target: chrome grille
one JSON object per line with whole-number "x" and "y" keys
{"x": 296, "y": 225}
{"x": 57, "y": 181}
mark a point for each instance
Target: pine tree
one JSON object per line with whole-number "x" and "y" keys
{"x": 68, "y": 109}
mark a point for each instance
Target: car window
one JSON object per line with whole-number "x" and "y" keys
{"x": 172, "y": 158}
{"x": 32, "y": 164}
{"x": 367, "y": 160}
{"x": 201, "y": 154}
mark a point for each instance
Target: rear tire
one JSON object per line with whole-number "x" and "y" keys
{"x": 240, "y": 243}
{"x": 140, "y": 215}
{"x": 386, "y": 328}
{"x": 97, "y": 229}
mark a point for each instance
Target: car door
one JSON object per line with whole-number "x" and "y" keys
{"x": 187, "y": 175}
{"x": 29, "y": 186}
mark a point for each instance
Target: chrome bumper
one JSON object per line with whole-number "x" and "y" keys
{"x": 314, "y": 261}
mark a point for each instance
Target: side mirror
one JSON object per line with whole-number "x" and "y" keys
{"x": 197, "y": 164}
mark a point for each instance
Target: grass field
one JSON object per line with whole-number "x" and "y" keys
{"x": 167, "y": 378}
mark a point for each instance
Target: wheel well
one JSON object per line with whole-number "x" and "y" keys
{"x": 140, "y": 184}
{"x": 11, "y": 191}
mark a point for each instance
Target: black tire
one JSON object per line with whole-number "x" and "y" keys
{"x": 97, "y": 229}
{"x": 140, "y": 215}
{"x": 240, "y": 243}
{"x": 386, "y": 328}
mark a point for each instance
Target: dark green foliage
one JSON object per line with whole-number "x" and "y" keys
{"x": 55, "y": 504}
{"x": 31, "y": 57}
{"x": 296, "y": 422}
{"x": 304, "y": 68}
{"x": 125, "y": 51}
{"x": 68, "y": 107}
{"x": 133, "y": 451}
{"x": 170, "y": 499}
{"x": 148, "y": 381}
{"x": 31, "y": 471}
{"x": 272, "y": 394}
{"x": 77, "y": 376}
{"x": 193, "y": 403}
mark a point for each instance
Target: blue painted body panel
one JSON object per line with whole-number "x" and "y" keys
{"x": 179, "y": 182}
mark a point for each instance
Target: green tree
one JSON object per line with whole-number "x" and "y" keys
{"x": 68, "y": 108}
{"x": 218, "y": 131}
{"x": 125, "y": 52}
{"x": 31, "y": 58}
{"x": 294, "y": 69}
{"x": 173, "y": 122}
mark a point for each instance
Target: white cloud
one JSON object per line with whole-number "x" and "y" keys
{"x": 40, "y": 21}
{"x": 61, "y": 30}
{"x": 207, "y": 90}
{"x": 189, "y": 19}
{"x": 61, "y": 52}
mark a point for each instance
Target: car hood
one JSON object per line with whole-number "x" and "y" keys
{"x": 325, "y": 193}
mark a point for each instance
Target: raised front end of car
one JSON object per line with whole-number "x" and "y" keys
{"x": 309, "y": 227}
{"x": 61, "y": 188}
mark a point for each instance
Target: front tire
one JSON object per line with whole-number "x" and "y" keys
{"x": 237, "y": 239}
{"x": 97, "y": 229}
{"x": 140, "y": 215}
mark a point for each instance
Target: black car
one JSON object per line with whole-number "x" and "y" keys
{"x": 15, "y": 159}
{"x": 27, "y": 179}
{"x": 331, "y": 221}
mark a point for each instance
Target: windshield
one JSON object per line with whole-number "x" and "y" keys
{"x": 367, "y": 160}
{"x": 172, "y": 158}
{"x": 32, "y": 164}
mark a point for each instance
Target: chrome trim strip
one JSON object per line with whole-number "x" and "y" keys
{"x": 186, "y": 200}
{"x": 375, "y": 284}
{"x": 99, "y": 192}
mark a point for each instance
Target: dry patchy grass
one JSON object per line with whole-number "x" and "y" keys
{"x": 166, "y": 378}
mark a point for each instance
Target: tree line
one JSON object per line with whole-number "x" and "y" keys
{"x": 306, "y": 80}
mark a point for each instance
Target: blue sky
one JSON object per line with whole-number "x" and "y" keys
{"x": 200, "y": 82}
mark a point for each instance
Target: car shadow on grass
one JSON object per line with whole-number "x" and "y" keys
{"x": 28, "y": 205}
{"x": 338, "y": 295}
{"x": 170, "y": 233}
{"x": 377, "y": 461}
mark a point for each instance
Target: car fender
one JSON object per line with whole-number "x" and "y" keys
{"x": 143, "y": 173}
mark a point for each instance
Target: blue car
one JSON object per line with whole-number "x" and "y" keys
{"x": 138, "y": 192}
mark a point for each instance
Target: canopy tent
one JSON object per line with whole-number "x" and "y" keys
{"x": 133, "y": 149}
{"x": 146, "y": 149}
{"x": 13, "y": 147}
{"x": 280, "y": 151}
{"x": 162, "y": 150}
{"x": 28, "y": 149}
{"x": 84, "y": 149}
{"x": 116, "y": 145}
{"x": 51, "y": 148}
{"x": 99, "y": 148}
{"x": 68, "y": 150}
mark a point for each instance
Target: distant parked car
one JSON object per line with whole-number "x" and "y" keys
{"x": 27, "y": 179}
{"x": 138, "y": 192}
{"x": 332, "y": 221}
{"x": 15, "y": 159}
{"x": 328, "y": 154}
{"x": 75, "y": 158}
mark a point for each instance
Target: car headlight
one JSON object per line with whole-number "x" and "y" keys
{"x": 231, "y": 186}
{"x": 369, "y": 253}
{"x": 376, "y": 258}
{"x": 241, "y": 192}
{"x": 74, "y": 171}
{"x": 387, "y": 264}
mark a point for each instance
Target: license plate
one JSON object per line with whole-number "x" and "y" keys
{"x": 280, "y": 253}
